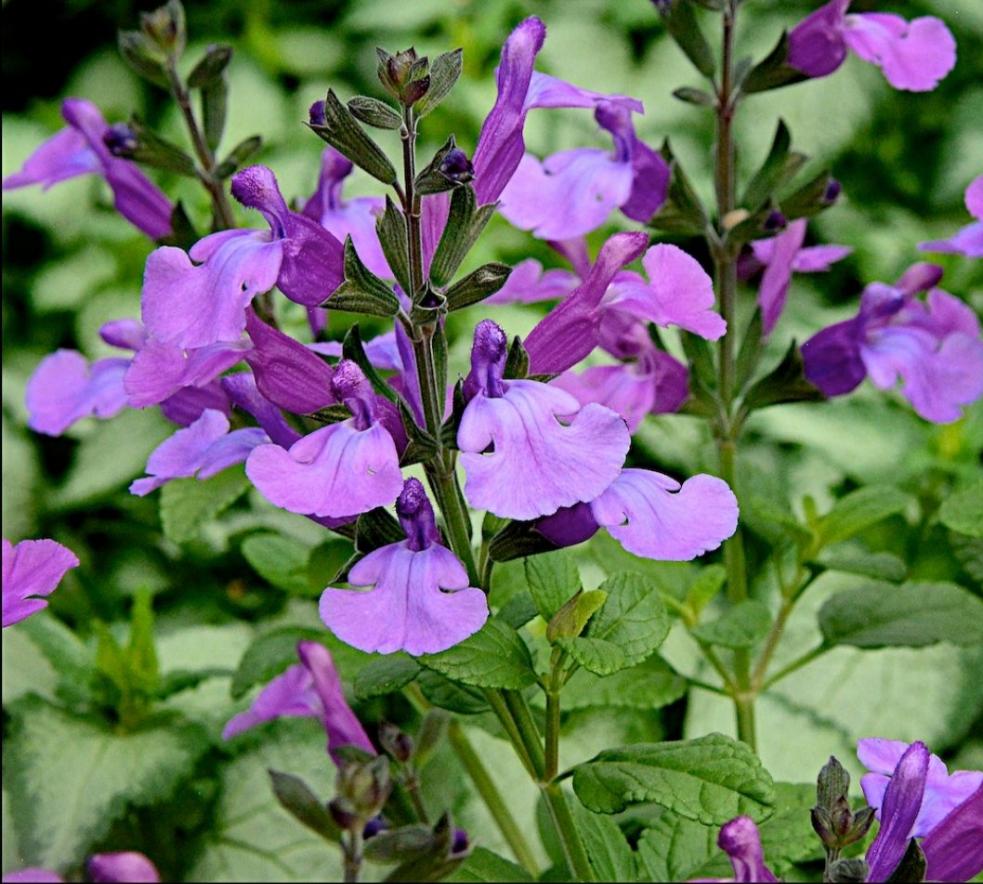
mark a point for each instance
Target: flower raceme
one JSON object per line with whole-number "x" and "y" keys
{"x": 32, "y": 570}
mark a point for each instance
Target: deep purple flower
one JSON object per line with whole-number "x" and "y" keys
{"x": 79, "y": 149}
{"x": 196, "y": 304}
{"x": 528, "y": 448}
{"x": 340, "y": 470}
{"x": 781, "y": 256}
{"x": 932, "y": 346}
{"x": 355, "y": 218}
{"x": 969, "y": 240}
{"x": 125, "y": 867}
{"x": 242, "y": 392}
{"x": 573, "y": 192}
{"x": 309, "y": 689}
{"x": 913, "y": 55}
{"x": 31, "y": 570}
{"x": 954, "y": 848}
{"x": 420, "y": 601}
{"x": 202, "y": 449}
{"x": 741, "y": 841}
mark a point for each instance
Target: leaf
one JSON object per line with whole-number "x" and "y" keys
{"x": 647, "y": 686}
{"x": 963, "y": 511}
{"x": 187, "y": 504}
{"x": 214, "y": 108}
{"x": 741, "y": 626}
{"x": 391, "y": 229}
{"x": 485, "y": 866}
{"x": 609, "y": 853}
{"x": 494, "y": 657}
{"x": 880, "y": 565}
{"x": 210, "y": 66}
{"x": 269, "y": 655}
{"x": 786, "y": 382}
{"x": 385, "y": 675}
{"x": 362, "y": 291}
{"x": 303, "y": 805}
{"x": 70, "y": 778}
{"x": 571, "y": 619}
{"x": 553, "y": 578}
{"x": 915, "y": 614}
{"x": 446, "y": 694}
{"x": 680, "y": 21}
{"x": 477, "y": 285}
{"x": 710, "y": 780}
{"x": 859, "y": 510}
{"x": 444, "y": 72}
{"x": 674, "y": 847}
{"x": 464, "y": 225}
{"x": 342, "y": 131}
{"x": 374, "y": 112}
{"x": 633, "y": 622}
{"x": 281, "y": 561}
{"x": 704, "y": 589}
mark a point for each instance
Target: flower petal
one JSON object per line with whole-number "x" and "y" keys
{"x": 529, "y": 283}
{"x": 815, "y": 45}
{"x": 954, "y": 848}
{"x": 740, "y": 840}
{"x": 125, "y": 867}
{"x": 160, "y": 369}
{"x": 289, "y": 695}
{"x": 832, "y": 358}
{"x": 65, "y": 155}
{"x": 778, "y": 274}
{"x": 32, "y": 568}
{"x": 65, "y": 388}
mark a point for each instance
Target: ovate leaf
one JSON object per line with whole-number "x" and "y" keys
{"x": 494, "y": 657}
{"x": 187, "y": 504}
{"x": 859, "y": 510}
{"x": 741, "y": 626}
{"x": 963, "y": 511}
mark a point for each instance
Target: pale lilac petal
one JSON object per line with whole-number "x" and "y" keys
{"x": 65, "y": 155}
{"x": 974, "y": 198}
{"x": 65, "y": 388}
{"x": 32, "y": 568}
{"x": 231, "y": 449}
{"x": 289, "y": 695}
{"x": 941, "y": 314}
{"x": 335, "y": 471}
{"x": 570, "y": 331}
{"x": 778, "y": 274}
{"x": 815, "y": 45}
{"x": 914, "y": 55}
{"x": 902, "y": 802}
{"x": 193, "y": 305}
{"x": 818, "y": 259}
{"x": 652, "y": 515}
{"x": 574, "y": 460}
{"x": 617, "y": 387}
{"x": 567, "y": 195}
{"x": 160, "y": 369}
{"x": 529, "y": 283}
{"x": 241, "y": 389}
{"x": 919, "y": 277}
{"x": 32, "y": 875}
{"x": 421, "y": 602}
{"x": 546, "y": 91}
{"x": 340, "y": 723}
{"x": 121, "y": 868}
{"x": 740, "y": 840}
{"x": 127, "y": 334}
{"x": 968, "y": 241}
{"x": 954, "y": 848}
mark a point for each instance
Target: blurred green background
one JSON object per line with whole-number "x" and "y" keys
{"x": 71, "y": 264}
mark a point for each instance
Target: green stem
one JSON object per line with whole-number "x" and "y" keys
{"x": 573, "y": 847}
{"x": 797, "y": 663}
{"x": 353, "y": 855}
{"x": 532, "y": 742}
{"x": 492, "y": 797}
{"x": 496, "y": 700}
{"x": 553, "y": 688}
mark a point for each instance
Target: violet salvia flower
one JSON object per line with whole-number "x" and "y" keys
{"x": 242, "y": 392}
{"x": 573, "y": 192}
{"x": 420, "y": 602}
{"x": 355, "y": 218}
{"x": 79, "y": 149}
{"x": 781, "y": 256}
{"x": 969, "y": 240}
{"x": 309, "y": 689}
{"x": 954, "y": 848}
{"x": 528, "y": 283}
{"x": 340, "y": 470}
{"x": 32, "y": 569}
{"x": 528, "y": 448}
{"x": 913, "y": 55}
{"x": 932, "y": 346}
{"x": 741, "y": 841}
{"x": 202, "y": 449}
{"x": 33, "y": 875}
{"x": 122, "y": 867}
{"x": 197, "y": 298}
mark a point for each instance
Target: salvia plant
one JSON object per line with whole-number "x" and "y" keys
{"x": 462, "y": 497}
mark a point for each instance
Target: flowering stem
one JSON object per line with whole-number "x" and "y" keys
{"x": 573, "y": 847}
{"x": 797, "y": 663}
{"x": 353, "y": 855}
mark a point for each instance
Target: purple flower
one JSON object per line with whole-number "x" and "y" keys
{"x": 529, "y": 448}
{"x": 954, "y": 848}
{"x": 309, "y": 689}
{"x": 124, "y": 867}
{"x": 355, "y": 218}
{"x": 573, "y": 192}
{"x": 529, "y": 283}
{"x": 943, "y": 791}
{"x": 969, "y": 240}
{"x": 202, "y": 449}
{"x": 33, "y": 875}
{"x": 241, "y": 390}
{"x": 913, "y": 56}
{"x": 32, "y": 569}
{"x": 420, "y": 601}
{"x": 196, "y": 304}
{"x": 741, "y": 841}
{"x": 78, "y": 149}
{"x": 932, "y": 346}
{"x": 781, "y": 256}
{"x": 340, "y": 470}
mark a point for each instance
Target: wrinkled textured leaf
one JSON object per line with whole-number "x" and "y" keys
{"x": 494, "y": 657}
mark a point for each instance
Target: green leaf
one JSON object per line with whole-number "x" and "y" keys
{"x": 447, "y": 694}
{"x": 808, "y": 200}
{"x": 141, "y": 652}
{"x": 281, "y": 561}
{"x": 494, "y": 657}
{"x": 704, "y": 589}
{"x": 187, "y": 504}
{"x": 674, "y": 847}
{"x": 553, "y": 578}
{"x": 342, "y": 131}
{"x": 571, "y": 619}
{"x": 464, "y": 225}
{"x": 630, "y": 626}
{"x": 269, "y": 655}
{"x": 238, "y": 156}
{"x": 214, "y": 108}
{"x": 786, "y": 382}
{"x": 211, "y": 66}
{"x": 682, "y": 212}
{"x": 859, "y": 510}
{"x": 391, "y": 228}
{"x": 362, "y": 291}
{"x": 915, "y": 614}
{"x": 477, "y": 285}
{"x": 963, "y": 511}
{"x": 156, "y": 151}
{"x": 609, "y": 853}
{"x": 880, "y": 565}
{"x": 385, "y": 675}
{"x": 70, "y": 778}
{"x": 374, "y": 112}
{"x": 484, "y": 866}
{"x": 773, "y": 71}
{"x": 680, "y": 21}
{"x": 779, "y": 166}
{"x": 649, "y": 685}
{"x": 444, "y": 72}
{"x": 710, "y": 780}
{"x": 741, "y": 626}
{"x": 303, "y": 805}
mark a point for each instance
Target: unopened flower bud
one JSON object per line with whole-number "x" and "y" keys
{"x": 405, "y": 75}
{"x": 398, "y": 744}
{"x": 343, "y": 814}
{"x": 832, "y": 192}
{"x": 374, "y": 826}
{"x": 456, "y": 167}
{"x": 735, "y": 217}
{"x": 316, "y": 115}
{"x": 461, "y": 843}
{"x": 841, "y": 816}
{"x": 823, "y": 825}
{"x": 775, "y": 221}
{"x": 121, "y": 140}
{"x": 165, "y": 26}
{"x": 862, "y": 821}
{"x": 848, "y": 871}
{"x": 365, "y": 786}
{"x": 832, "y": 784}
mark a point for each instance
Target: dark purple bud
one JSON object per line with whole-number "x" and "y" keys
{"x": 775, "y": 221}
{"x": 342, "y": 813}
{"x": 398, "y": 744}
{"x": 832, "y": 192}
{"x": 121, "y": 140}
{"x": 488, "y": 354}
{"x": 823, "y": 826}
{"x": 416, "y": 516}
{"x": 351, "y": 387}
{"x": 460, "y": 843}
{"x": 316, "y": 115}
{"x": 457, "y": 167}
{"x": 373, "y": 827}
